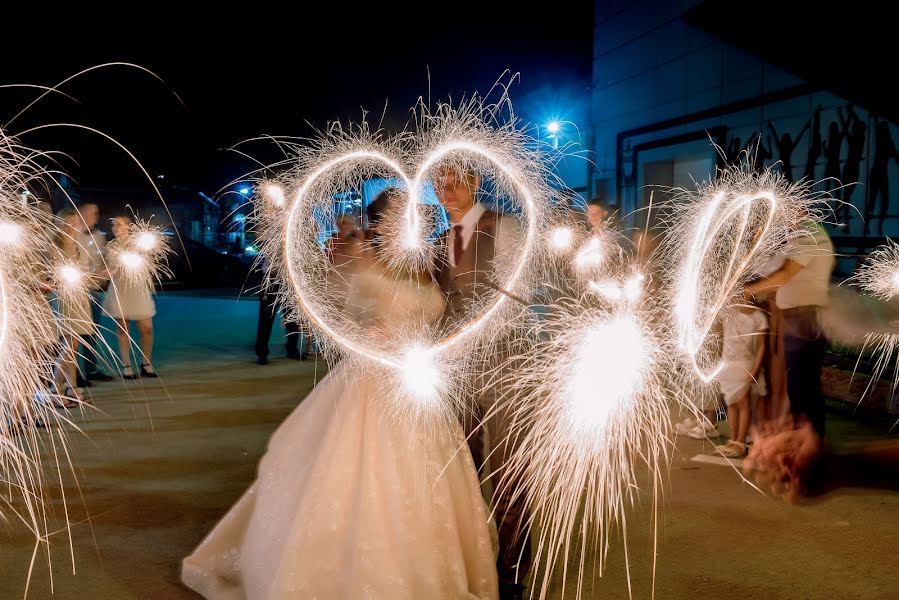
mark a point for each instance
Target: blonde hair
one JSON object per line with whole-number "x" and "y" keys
{"x": 61, "y": 235}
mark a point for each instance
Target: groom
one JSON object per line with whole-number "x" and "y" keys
{"x": 465, "y": 274}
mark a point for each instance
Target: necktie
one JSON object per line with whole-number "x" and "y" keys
{"x": 457, "y": 244}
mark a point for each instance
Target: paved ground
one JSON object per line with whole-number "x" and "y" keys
{"x": 162, "y": 460}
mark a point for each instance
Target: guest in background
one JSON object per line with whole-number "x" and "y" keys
{"x": 128, "y": 302}
{"x": 93, "y": 241}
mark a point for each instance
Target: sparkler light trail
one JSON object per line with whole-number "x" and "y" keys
{"x": 463, "y": 139}
{"x": 720, "y": 237}
{"x": 30, "y": 266}
{"x": 32, "y": 270}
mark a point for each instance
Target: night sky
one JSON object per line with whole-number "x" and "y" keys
{"x": 266, "y": 71}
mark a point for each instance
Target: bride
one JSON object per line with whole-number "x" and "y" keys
{"x": 341, "y": 509}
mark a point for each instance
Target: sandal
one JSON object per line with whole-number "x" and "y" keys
{"x": 733, "y": 449}
{"x": 75, "y": 397}
{"x": 146, "y": 370}
{"x": 67, "y": 400}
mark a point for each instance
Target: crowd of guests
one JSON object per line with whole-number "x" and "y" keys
{"x": 772, "y": 352}
{"x": 772, "y": 347}
{"x": 82, "y": 358}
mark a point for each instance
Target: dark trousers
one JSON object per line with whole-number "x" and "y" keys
{"x": 804, "y": 349}
{"x": 514, "y": 560}
{"x": 268, "y": 306}
{"x": 91, "y": 355}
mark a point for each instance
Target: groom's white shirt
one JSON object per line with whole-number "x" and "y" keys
{"x": 507, "y": 234}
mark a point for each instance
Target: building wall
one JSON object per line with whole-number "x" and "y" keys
{"x": 665, "y": 91}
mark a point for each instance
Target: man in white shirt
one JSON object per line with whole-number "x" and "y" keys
{"x": 801, "y": 287}
{"x": 465, "y": 273}
{"x": 93, "y": 240}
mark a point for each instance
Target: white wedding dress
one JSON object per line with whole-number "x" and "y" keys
{"x": 343, "y": 509}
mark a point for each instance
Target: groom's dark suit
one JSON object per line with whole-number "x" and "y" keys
{"x": 465, "y": 274}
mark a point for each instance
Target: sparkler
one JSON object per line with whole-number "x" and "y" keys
{"x": 880, "y": 273}
{"x": 562, "y": 238}
{"x": 29, "y": 267}
{"x": 720, "y": 236}
{"x": 462, "y": 139}
{"x": 139, "y": 257}
{"x": 590, "y": 385}
{"x": 589, "y": 399}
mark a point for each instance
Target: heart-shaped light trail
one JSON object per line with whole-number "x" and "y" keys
{"x": 412, "y": 362}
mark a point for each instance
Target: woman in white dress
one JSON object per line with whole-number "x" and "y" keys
{"x": 352, "y": 503}
{"x": 127, "y": 302}
{"x": 74, "y": 310}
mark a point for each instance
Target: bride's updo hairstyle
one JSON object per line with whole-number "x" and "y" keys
{"x": 376, "y": 212}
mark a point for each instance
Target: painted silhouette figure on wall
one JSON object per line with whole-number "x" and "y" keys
{"x": 730, "y": 155}
{"x": 785, "y": 147}
{"x": 814, "y": 146}
{"x": 833, "y": 148}
{"x": 854, "y": 132}
{"x": 757, "y": 153}
{"x": 879, "y": 176}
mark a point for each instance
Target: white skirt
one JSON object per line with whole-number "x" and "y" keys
{"x": 129, "y": 302}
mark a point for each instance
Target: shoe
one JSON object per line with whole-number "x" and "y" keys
{"x": 73, "y": 397}
{"x": 82, "y": 382}
{"x": 704, "y": 430}
{"x": 511, "y": 591}
{"x": 684, "y": 427}
{"x": 261, "y": 360}
{"x": 128, "y": 374}
{"x": 147, "y": 371}
{"x": 732, "y": 449}
{"x": 294, "y": 356}
{"x": 100, "y": 376}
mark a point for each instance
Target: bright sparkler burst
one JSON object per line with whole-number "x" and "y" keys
{"x": 880, "y": 273}
{"x": 590, "y": 400}
{"x": 147, "y": 241}
{"x": 275, "y": 194}
{"x": 562, "y": 238}
{"x": 10, "y": 233}
{"x": 140, "y": 256}
{"x": 591, "y": 255}
{"x": 615, "y": 351}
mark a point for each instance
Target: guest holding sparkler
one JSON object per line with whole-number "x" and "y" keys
{"x": 802, "y": 289}
{"x": 801, "y": 286}
{"x": 74, "y": 308}
{"x": 128, "y": 300}
{"x": 93, "y": 241}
